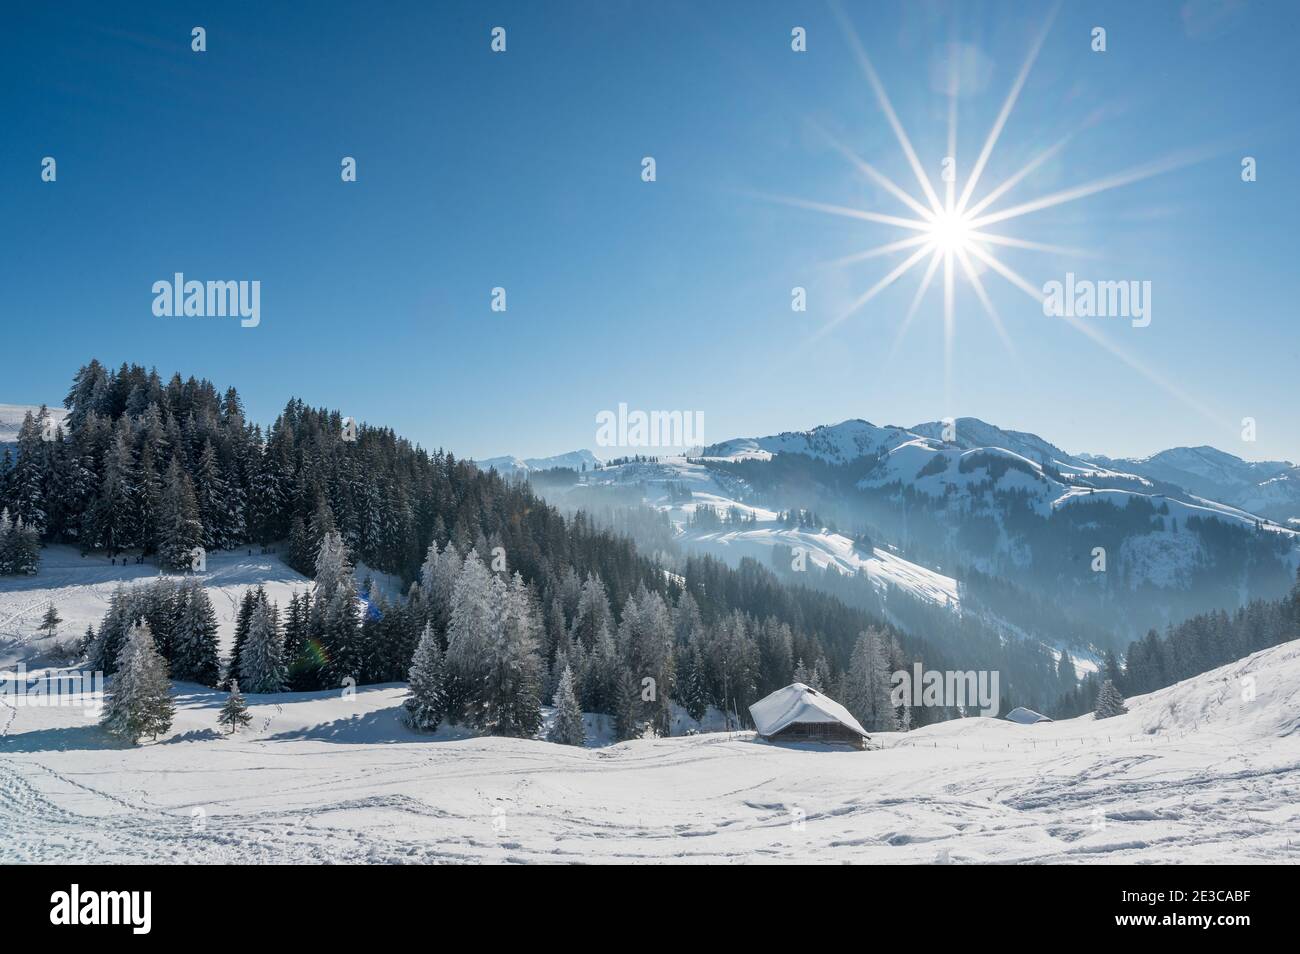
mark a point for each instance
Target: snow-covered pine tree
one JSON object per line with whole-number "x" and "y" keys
{"x": 50, "y": 622}
{"x": 340, "y": 637}
{"x": 261, "y": 665}
{"x": 6, "y": 540}
{"x": 295, "y": 628}
{"x": 426, "y": 703}
{"x": 102, "y": 654}
{"x": 593, "y": 619}
{"x": 139, "y": 700}
{"x": 512, "y": 684}
{"x": 247, "y": 604}
{"x": 30, "y": 475}
{"x": 446, "y": 571}
{"x": 472, "y": 626}
{"x": 20, "y": 549}
{"x": 1109, "y": 702}
{"x": 867, "y": 683}
{"x": 567, "y": 727}
{"x": 235, "y": 712}
{"x": 332, "y": 566}
{"x": 179, "y": 528}
{"x": 645, "y": 640}
{"x": 300, "y": 556}
{"x": 690, "y": 682}
{"x": 194, "y": 641}
{"x": 212, "y": 496}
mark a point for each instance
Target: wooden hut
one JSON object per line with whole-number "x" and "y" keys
{"x": 798, "y": 713}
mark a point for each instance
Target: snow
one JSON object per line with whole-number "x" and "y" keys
{"x": 822, "y": 547}
{"x": 799, "y": 703}
{"x": 1203, "y": 771}
{"x": 80, "y": 588}
{"x": 508, "y": 465}
{"x": 836, "y": 443}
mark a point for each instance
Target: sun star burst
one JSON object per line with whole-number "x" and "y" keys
{"x": 949, "y": 235}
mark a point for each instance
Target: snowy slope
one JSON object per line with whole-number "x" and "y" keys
{"x": 711, "y": 488}
{"x": 80, "y": 588}
{"x": 1193, "y": 773}
{"x": 1270, "y": 488}
{"x": 824, "y": 548}
{"x": 835, "y": 443}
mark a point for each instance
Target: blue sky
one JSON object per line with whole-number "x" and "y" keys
{"x": 522, "y": 170}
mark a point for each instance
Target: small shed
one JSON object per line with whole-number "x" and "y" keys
{"x": 1026, "y": 716}
{"x": 799, "y": 713}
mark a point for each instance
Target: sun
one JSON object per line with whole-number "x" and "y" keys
{"x": 947, "y": 237}
{"x": 951, "y": 232}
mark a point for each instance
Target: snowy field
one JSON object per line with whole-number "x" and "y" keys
{"x": 80, "y": 588}
{"x": 1194, "y": 773}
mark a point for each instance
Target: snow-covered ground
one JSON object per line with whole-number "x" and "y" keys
{"x": 80, "y": 588}
{"x": 1201, "y": 772}
{"x": 823, "y": 548}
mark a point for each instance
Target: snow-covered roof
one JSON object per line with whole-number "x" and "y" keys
{"x": 798, "y": 703}
{"x": 1026, "y": 716}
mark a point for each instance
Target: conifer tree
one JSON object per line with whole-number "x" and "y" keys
{"x": 1109, "y": 702}
{"x": 179, "y": 528}
{"x": 194, "y": 642}
{"x": 426, "y": 703}
{"x": 247, "y": 605}
{"x": 235, "y": 711}
{"x": 261, "y": 665}
{"x": 50, "y": 622}
{"x": 471, "y": 628}
{"x": 567, "y": 727}
{"x": 139, "y": 700}
{"x": 340, "y": 636}
{"x": 512, "y": 684}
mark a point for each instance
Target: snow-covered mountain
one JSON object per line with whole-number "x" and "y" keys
{"x": 1270, "y": 488}
{"x": 937, "y": 458}
{"x": 834, "y": 443}
{"x": 926, "y": 508}
{"x": 507, "y": 465}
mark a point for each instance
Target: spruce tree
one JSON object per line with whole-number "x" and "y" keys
{"x": 1109, "y": 702}
{"x": 139, "y": 700}
{"x": 179, "y": 528}
{"x": 50, "y": 622}
{"x": 512, "y": 685}
{"x": 567, "y": 727}
{"x": 261, "y": 664}
{"x": 426, "y": 703}
{"x": 470, "y": 630}
{"x": 235, "y": 712}
{"x": 194, "y": 642}
{"x": 247, "y": 605}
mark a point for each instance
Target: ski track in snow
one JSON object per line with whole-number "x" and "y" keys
{"x": 1192, "y": 773}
